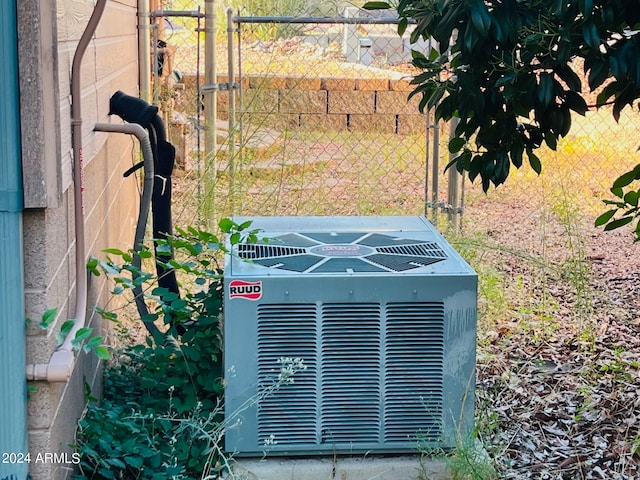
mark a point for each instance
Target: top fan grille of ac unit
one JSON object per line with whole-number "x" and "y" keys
{"x": 351, "y": 252}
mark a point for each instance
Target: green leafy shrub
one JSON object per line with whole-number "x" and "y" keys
{"x": 83, "y": 340}
{"x": 161, "y": 413}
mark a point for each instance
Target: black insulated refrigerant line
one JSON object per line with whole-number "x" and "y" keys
{"x": 135, "y": 110}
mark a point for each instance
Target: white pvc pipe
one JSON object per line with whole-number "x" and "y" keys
{"x": 61, "y": 362}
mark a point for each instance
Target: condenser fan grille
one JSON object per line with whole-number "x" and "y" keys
{"x": 251, "y": 251}
{"x": 345, "y": 252}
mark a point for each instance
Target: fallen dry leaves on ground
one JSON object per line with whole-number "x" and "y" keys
{"x": 562, "y": 401}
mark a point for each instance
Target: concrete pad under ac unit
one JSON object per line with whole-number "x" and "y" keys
{"x": 364, "y": 468}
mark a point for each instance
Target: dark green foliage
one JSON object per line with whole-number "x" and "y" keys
{"x": 161, "y": 414}
{"x": 196, "y": 255}
{"x": 503, "y": 67}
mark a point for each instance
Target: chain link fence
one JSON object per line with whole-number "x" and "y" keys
{"x": 321, "y": 123}
{"x": 316, "y": 121}
{"x": 332, "y": 130}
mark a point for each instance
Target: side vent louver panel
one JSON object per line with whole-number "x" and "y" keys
{"x": 414, "y": 349}
{"x": 375, "y": 376}
{"x": 288, "y": 413}
{"x": 350, "y": 373}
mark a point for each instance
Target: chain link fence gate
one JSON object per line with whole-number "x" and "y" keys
{"x": 177, "y": 53}
{"x": 324, "y": 126}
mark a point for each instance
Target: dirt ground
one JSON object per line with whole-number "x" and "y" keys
{"x": 559, "y": 398}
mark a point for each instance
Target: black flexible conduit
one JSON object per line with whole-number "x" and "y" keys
{"x": 143, "y": 214}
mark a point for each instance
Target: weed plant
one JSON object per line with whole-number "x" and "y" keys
{"x": 576, "y": 268}
{"x": 146, "y": 427}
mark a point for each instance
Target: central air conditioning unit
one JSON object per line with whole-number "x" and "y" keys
{"x": 382, "y": 313}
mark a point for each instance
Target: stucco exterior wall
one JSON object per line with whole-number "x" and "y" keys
{"x": 49, "y": 31}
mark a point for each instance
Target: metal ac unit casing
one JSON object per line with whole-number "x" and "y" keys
{"x": 382, "y": 310}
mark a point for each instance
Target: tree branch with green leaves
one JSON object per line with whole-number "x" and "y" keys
{"x": 505, "y": 68}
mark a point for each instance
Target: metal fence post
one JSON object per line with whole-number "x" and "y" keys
{"x": 454, "y": 177}
{"x": 427, "y": 148}
{"x": 154, "y": 48}
{"x": 144, "y": 48}
{"x": 435, "y": 197}
{"x": 210, "y": 95}
{"x": 232, "y": 108}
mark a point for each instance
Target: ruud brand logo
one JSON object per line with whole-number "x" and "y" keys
{"x": 340, "y": 248}
{"x": 246, "y": 290}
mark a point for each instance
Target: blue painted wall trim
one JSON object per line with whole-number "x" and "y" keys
{"x": 13, "y": 400}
